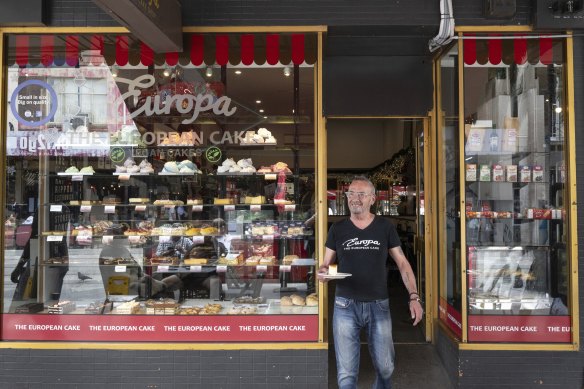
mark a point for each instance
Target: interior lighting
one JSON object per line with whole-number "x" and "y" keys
{"x": 258, "y": 101}
{"x": 261, "y": 111}
{"x": 115, "y": 71}
{"x": 209, "y": 71}
{"x": 558, "y": 109}
{"x": 166, "y": 72}
{"x": 287, "y": 71}
{"x": 238, "y": 72}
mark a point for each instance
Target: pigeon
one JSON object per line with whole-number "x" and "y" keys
{"x": 82, "y": 276}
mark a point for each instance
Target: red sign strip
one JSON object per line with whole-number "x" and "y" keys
{"x": 519, "y": 329}
{"x": 159, "y": 328}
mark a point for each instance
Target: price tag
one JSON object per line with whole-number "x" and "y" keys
{"x": 271, "y": 176}
{"x": 163, "y": 268}
{"x": 285, "y": 268}
{"x": 54, "y": 238}
{"x": 120, "y": 269}
{"x": 198, "y": 239}
{"x": 85, "y": 208}
{"x": 77, "y": 178}
{"x": 230, "y": 207}
{"x": 197, "y": 208}
{"x": 255, "y": 208}
{"x": 221, "y": 268}
{"x": 196, "y": 268}
{"x": 110, "y": 209}
{"x": 134, "y": 239}
{"x": 261, "y": 268}
{"x": 124, "y": 177}
{"x": 140, "y": 208}
{"x": 56, "y": 208}
{"x": 268, "y": 237}
{"x": 290, "y": 207}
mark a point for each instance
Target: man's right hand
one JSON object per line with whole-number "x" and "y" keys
{"x": 322, "y": 271}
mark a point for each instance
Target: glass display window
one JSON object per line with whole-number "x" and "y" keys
{"x": 141, "y": 185}
{"x": 515, "y": 189}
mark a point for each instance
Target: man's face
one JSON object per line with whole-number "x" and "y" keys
{"x": 360, "y": 197}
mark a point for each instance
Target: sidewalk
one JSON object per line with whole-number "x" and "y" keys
{"x": 417, "y": 366}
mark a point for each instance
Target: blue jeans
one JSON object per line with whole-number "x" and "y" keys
{"x": 349, "y": 318}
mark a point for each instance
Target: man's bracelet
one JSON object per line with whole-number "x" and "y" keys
{"x": 415, "y": 299}
{"x": 416, "y": 293}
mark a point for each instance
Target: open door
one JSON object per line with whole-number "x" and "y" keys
{"x": 424, "y": 233}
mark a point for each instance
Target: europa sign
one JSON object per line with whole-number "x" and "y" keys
{"x": 185, "y": 104}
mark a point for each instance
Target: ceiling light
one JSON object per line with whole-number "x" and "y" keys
{"x": 115, "y": 71}
{"x": 287, "y": 71}
{"x": 558, "y": 109}
{"x": 261, "y": 111}
{"x": 209, "y": 71}
{"x": 258, "y": 101}
{"x": 238, "y": 72}
{"x": 265, "y": 117}
{"x": 166, "y": 72}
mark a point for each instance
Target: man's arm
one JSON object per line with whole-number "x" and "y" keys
{"x": 409, "y": 280}
{"x": 329, "y": 258}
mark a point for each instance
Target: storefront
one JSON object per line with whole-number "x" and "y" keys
{"x": 168, "y": 211}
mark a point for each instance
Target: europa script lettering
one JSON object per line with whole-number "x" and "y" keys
{"x": 185, "y": 104}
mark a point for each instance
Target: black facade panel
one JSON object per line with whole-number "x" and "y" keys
{"x": 24, "y": 13}
{"x": 258, "y": 369}
{"x": 303, "y": 12}
{"x": 377, "y": 86}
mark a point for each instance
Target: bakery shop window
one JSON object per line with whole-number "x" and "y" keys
{"x": 517, "y": 235}
{"x": 141, "y": 185}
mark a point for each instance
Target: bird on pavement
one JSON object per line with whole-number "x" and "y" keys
{"x": 82, "y": 276}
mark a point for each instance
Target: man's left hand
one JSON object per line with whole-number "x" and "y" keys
{"x": 416, "y": 311}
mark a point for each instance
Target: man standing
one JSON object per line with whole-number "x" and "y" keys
{"x": 359, "y": 245}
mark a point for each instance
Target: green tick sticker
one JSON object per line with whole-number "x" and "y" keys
{"x": 117, "y": 154}
{"x": 213, "y": 154}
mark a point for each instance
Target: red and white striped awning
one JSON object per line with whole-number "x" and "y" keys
{"x": 494, "y": 49}
{"x": 200, "y": 49}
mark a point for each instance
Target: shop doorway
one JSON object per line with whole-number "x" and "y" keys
{"x": 393, "y": 153}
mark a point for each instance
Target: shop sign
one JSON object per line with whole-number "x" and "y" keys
{"x": 188, "y": 104}
{"x": 33, "y": 103}
{"x": 519, "y": 329}
{"x": 450, "y": 316}
{"x": 280, "y": 328}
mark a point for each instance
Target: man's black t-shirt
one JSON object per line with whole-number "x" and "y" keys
{"x": 363, "y": 253}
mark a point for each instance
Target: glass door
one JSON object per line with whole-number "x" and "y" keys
{"x": 423, "y": 246}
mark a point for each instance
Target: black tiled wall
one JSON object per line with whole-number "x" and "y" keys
{"x": 112, "y": 369}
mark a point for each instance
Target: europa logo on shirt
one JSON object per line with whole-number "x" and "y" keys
{"x": 365, "y": 244}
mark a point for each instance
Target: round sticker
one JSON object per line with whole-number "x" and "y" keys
{"x": 33, "y": 103}
{"x": 117, "y": 154}
{"x": 213, "y": 154}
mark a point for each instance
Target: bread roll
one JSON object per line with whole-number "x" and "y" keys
{"x": 286, "y": 301}
{"x": 298, "y": 300}
{"x": 312, "y": 300}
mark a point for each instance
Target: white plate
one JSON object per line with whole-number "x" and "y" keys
{"x": 336, "y": 276}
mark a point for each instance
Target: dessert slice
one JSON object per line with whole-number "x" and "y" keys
{"x": 332, "y": 270}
